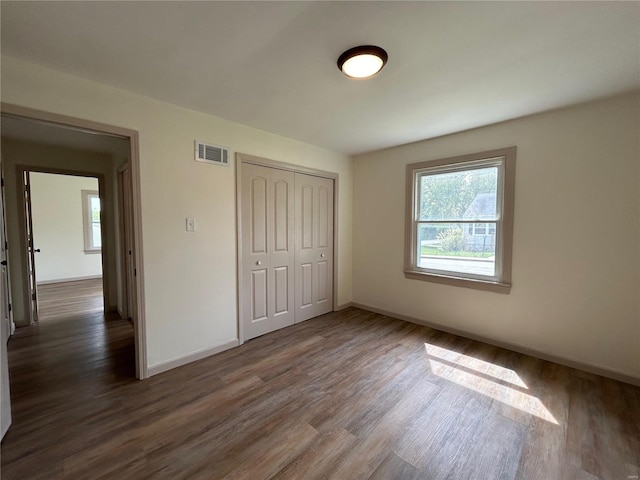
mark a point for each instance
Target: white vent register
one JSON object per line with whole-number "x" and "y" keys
{"x": 209, "y": 153}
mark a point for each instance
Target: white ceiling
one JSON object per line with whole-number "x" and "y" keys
{"x": 272, "y": 65}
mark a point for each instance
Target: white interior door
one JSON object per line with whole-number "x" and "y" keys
{"x": 5, "y": 330}
{"x": 128, "y": 275}
{"x": 31, "y": 251}
{"x": 314, "y": 246}
{"x": 267, "y": 216}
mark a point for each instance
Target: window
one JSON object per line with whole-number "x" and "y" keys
{"x": 460, "y": 220}
{"x": 91, "y": 221}
{"x": 479, "y": 228}
{"x": 482, "y": 228}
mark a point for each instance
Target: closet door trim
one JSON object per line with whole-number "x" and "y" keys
{"x": 242, "y": 158}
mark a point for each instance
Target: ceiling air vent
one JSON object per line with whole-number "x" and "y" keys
{"x": 206, "y": 152}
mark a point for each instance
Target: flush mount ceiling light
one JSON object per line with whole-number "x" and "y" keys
{"x": 363, "y": 61}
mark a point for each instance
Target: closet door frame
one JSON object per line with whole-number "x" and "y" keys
{"x": 242, "y": 158}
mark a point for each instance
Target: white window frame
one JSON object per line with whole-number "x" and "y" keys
{"x": 504, "y": 159}
{"x": 87, "y": 221}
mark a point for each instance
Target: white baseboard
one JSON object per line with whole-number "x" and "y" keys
{"x": 70, "y": 279}
{"x": 343, "y": 306}
{"x": 532, "y": 352}
{"x": 192, "y": 357}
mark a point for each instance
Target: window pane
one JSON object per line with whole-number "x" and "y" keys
{"x": 449, "y": 247}
{"x": 96, "y": 239}
{"x": 469, "y": 194}
{"x": 95, "y": 208}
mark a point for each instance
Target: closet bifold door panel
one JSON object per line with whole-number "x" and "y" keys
{"x": 268, "y": 249}
{"x": 314, "y": 246}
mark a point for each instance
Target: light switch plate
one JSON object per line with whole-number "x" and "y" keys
{"x": 191, "y": 224}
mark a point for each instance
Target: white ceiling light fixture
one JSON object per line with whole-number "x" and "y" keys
{"x": 363, "y": 61}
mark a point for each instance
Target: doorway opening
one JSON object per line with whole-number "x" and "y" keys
{"x": 107, "y": 345}
{"x": 64, "y": 213}
{"x": 65, "y": 147}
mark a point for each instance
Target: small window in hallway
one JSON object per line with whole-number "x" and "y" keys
{"x": 91, "y": 211}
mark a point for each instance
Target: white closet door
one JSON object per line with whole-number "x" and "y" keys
{"x": 267, "y": 249}
{"x": 314, "y": 246}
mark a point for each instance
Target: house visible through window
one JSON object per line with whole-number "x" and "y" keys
{"x": 91, "y": 213}
{"x": 460, "y": 216}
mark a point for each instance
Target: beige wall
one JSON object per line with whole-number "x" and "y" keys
{"x": 576, "y": 251}
{"x": 58, "y": 227}
{"x": 190, "y": 277}
{"x": 16, "y": 152}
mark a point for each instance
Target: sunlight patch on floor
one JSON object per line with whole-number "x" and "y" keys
{"x": 502, "y": 393}
{"x": 495, "y": 371}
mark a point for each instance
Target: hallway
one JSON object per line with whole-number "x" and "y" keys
{"x": 70, "y": 299}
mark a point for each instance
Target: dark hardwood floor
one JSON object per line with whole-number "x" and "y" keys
{"x": 349, "y": 395}
{"x": 67, "y": 299}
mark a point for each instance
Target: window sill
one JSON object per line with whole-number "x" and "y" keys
{"x": 496, "y": 287}
{"x": 88, "y": 252}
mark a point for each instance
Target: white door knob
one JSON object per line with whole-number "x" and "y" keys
{"x": 258, "y": 262}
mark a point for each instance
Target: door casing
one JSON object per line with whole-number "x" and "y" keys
{"x": 138, "y": 315}
{"x": 242, "y": 158}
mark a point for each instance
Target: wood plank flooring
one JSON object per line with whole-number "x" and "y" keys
{"x": 349, "y": 395}
{"x": 67, "y": 299}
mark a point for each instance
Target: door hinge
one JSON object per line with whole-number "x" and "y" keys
{"x": 2, "y": 182}
{"x": 135, "y": 272}
{"x": 9, "y": 307}
{"x": 33, "y": 296}
{"x": 3, "y": 263}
